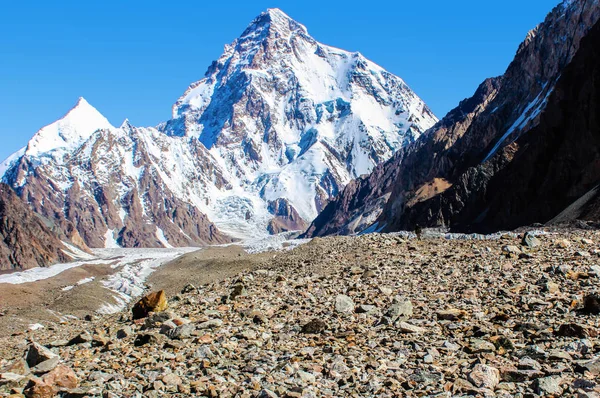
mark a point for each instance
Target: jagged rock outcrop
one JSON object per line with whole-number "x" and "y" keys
{"x": 278, "y": 118}
{"x": 447, "y": 161}
{"x": 25, "y": 240}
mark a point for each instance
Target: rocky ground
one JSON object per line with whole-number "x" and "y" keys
{"x": 376, "y": 315}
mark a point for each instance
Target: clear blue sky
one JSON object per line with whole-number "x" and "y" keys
{"x": 135, "y": 58}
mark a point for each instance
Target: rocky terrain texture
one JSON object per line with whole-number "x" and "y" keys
{"x": 375, "y": 315}
{"x": 276, "y": 128}
{"x": 444, "y": 178}
{"x": 25, "y": 240}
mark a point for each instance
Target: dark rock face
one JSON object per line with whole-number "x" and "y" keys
{"x": 25, "y": 240}
{"x": 546, "y": 169}
{"x": 450, "y": 175}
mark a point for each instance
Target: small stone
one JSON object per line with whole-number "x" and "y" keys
{"x": 591, "y": 304}
{"x": 365, "y": 309}
{"x": 400, "y": 311}
{"x": 181, "y": 332}
{"x": 211, "y": 324}
{"x": 171, "y": 379}
{"x": 530, "y": 240}
{"x": 124, "y": 332}
{"x": 145, "y": 338}
{"x": 344, "y": 304}
{"x": 451, "y": 315}
{"x": 314, "y": 326}
{"x": 81, "y": 338}
{"x": 478, "y": 345}
{"x": 369, "y": 274}
{"x": 511, "y": 251}
{"x": 484, "y": 376}
{"x": 405, "y": 327}
{"x": 548, "y": 386}
{"x": 571, "y": 330}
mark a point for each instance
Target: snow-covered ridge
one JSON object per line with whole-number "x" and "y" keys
{"x": 277, "y": 116}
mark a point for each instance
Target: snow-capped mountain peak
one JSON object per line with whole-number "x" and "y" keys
{"x": 279, "y": 124}
{"x": 69, "y": 132}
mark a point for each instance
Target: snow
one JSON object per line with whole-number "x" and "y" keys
{"x": 135, "y": 266}
{"x": 283, "y": 241}
{"x": 160, "y": 234}
{"x": 69, "y": 132}
{"x": 109, "y": 240}
{"x": 10, "y": 161}
{"x": 143, "y": 261}
{"x": 36, "y": 326}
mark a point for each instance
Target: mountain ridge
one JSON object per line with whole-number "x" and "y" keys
{"x": 277, "y": 126}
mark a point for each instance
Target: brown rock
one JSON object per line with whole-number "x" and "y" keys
{"x": 153, "y": 302}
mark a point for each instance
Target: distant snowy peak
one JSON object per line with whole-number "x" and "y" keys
{"x": 69, "y": 132}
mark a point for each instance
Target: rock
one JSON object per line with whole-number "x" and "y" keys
{"x": 400, "y": 311}
{"x": 11, "y": 379}
{"x": 368, "y": 274}
{"x": 511, "y": 251}
{"x": 314, "y": 326}
{"x": 548, "y": 386}
{"x": 306, "y": 377}
{"x": 238, "y": 290}
{"x": 365, "y": 309}
{"x": 81, "y": 338}
{"x": 451, "y": 315}
{"x": 571, "y": 330}
{"x": 592, "y": 366}
{"x": 189, "y": 288}
{"x": 530, "y": 240}
{"x": 124, "y": 332}
{"x": 171, "y": 379}
{"x": 211, "y": 324}
{"x": 344, "y": 304}
{"x": 38, "y": 389}
{"x": 405, "y": 327}
{"x": 40, "y": 359}
{"x": 153, "y": 302}
{"x": 61, "y": 378}
{"x": 145, "y": 338}
{"x": 19, "y": 367}
{"x": 181, "y": 332}
{"x": 484, "y": 376}
{"x": 591, "y": 304}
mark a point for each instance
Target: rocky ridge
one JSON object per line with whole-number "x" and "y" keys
{"x": 26, "y": 241}
{"x": 376, "y": 315}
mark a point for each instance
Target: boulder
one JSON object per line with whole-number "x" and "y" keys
{"x": 153, "y": 302}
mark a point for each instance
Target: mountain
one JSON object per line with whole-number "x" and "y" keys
{"x": 443, "y": 179}
{"x": 277, "y": 127}
{"x": 25, "y": 240}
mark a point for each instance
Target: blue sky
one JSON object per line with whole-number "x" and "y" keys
{"x": 133, "y": 59}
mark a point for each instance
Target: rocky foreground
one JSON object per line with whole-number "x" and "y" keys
{"x": 377, "y": 315}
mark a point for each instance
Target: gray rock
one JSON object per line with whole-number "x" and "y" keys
{"x": 530, "y": 240}
{"x": 548, "y": 386}
{"x": 484, "y": 376}
{"x": 344, "y": 304}
{"x": 211, "y": 324}
{"x": 41, "y": 359}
